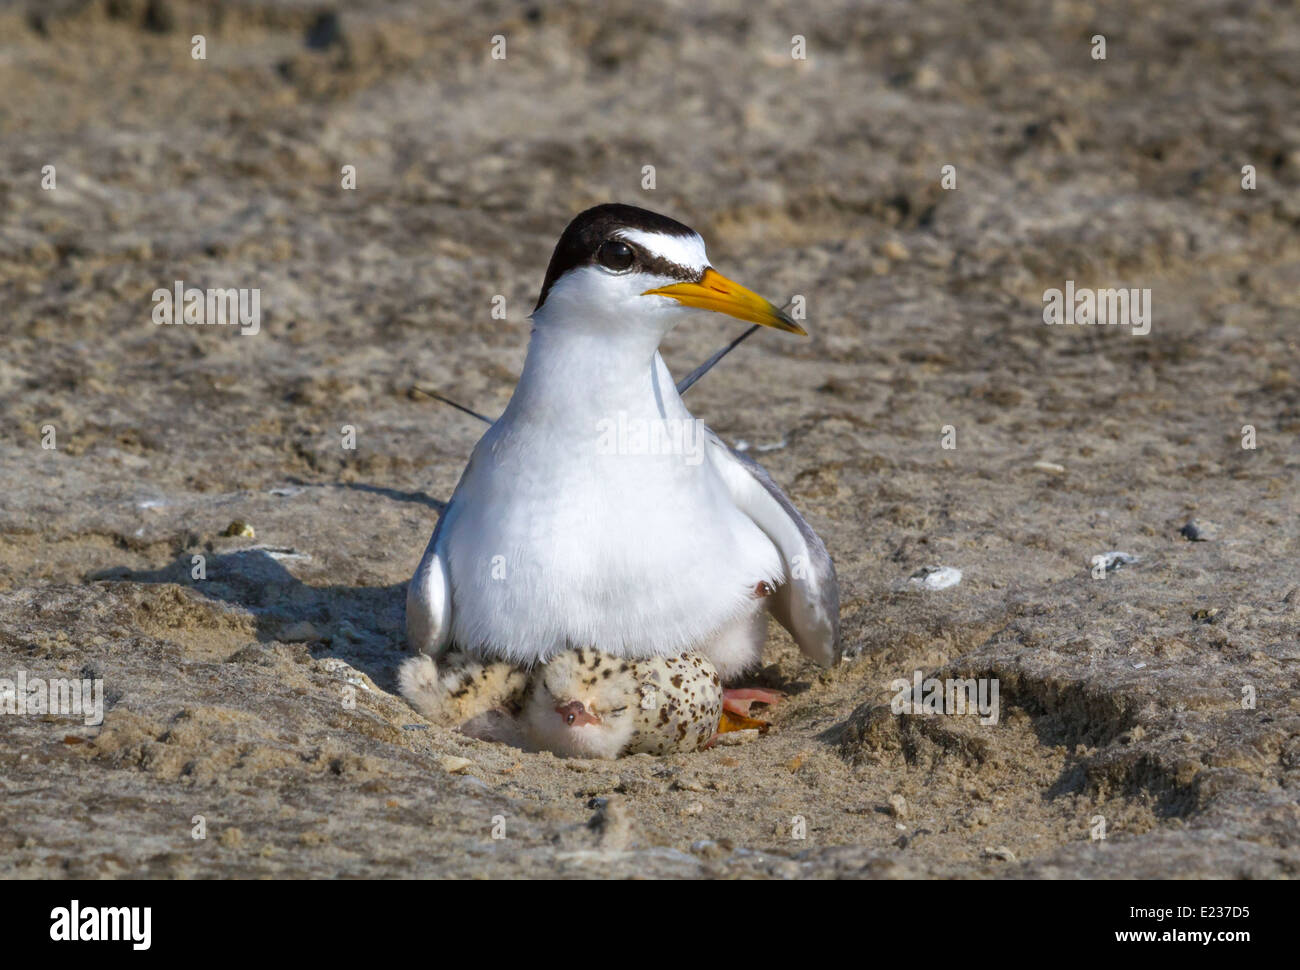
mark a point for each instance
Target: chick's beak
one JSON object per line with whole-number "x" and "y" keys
{"x": 715, "y": 292}
{"x": 575, "y": 714}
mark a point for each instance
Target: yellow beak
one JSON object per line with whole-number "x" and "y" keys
{"x": 716, "y": 292}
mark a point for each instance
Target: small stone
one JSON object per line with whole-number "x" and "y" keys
{"x": 631, "y": 784}
{"x": 895, "y": 251}
{"x": 1197, "y": 530}
{"x": 927, "y": 79}
{"x": 1114, "y": 559}
{"x": 350, "y": 633}
{"x": 325, "y": 31}
{"x": 1051, "y": 467}
{"x": 936, "y": 577}
{"x": 1000, "y": 852}
{"x": 158, "y": 18}
{"x": 300, "y": 632}
{"x": 898, "y": 806}
{"x": 231, "y": 838}
{"x": 454, "y": 765}
{"x": 241, "y": 529}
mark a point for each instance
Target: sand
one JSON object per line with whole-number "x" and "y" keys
{"x": 256, "y": 706}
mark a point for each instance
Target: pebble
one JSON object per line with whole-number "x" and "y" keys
{"x": 240, "y": 528}
{"x": 1000, "y": 852}
{"x": 1051, "y": 467}
{"x": 349, "y": 632}
{"x": 454, "y": 765}
{"x": 325, "y": 31}
{"x": 1197, "y": 531}
{"x": 300, "y": 632}
{"x": 1114, "y": 560}
{"x": 936, "y": 577}
{"x": 898, "y": 806}
{"x": 231, "y": 838}
{"x": 927, "y": 79}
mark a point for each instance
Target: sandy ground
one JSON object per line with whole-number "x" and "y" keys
{"x": 1121, "y": 698}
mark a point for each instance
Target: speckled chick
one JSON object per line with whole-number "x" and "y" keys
{"x": 481, "y": 699}
{"x": 587, "y": 704}
{"x": 582, "y": 703}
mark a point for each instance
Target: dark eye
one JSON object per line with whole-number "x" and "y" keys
{"x": 615, "y": 254}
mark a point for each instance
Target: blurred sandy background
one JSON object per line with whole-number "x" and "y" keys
{"x": 1121, "y": 697}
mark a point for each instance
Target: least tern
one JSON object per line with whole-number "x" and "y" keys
{"x": 565, "y": 531}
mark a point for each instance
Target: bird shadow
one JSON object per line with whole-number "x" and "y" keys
{"x": 365, "y": 626}
{"x": 396, "y": 495}
{"x": 361, "y": 625}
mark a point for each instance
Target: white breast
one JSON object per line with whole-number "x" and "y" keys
{"x": 567, "y": 530}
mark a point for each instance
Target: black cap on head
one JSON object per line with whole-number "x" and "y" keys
{"x": 583, "y": 237}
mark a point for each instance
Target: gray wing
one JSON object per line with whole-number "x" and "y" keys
{"x": 808, "y": 603}
{"x": 428, "y": 597}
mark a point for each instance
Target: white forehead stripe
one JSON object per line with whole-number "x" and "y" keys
{"x": 685, "y": 251}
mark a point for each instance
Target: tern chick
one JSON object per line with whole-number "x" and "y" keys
{"x": 582, "y": 703}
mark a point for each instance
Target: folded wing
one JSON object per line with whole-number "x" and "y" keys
{"x": 808, "y": 603}
{"x": 428, "y": 598}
